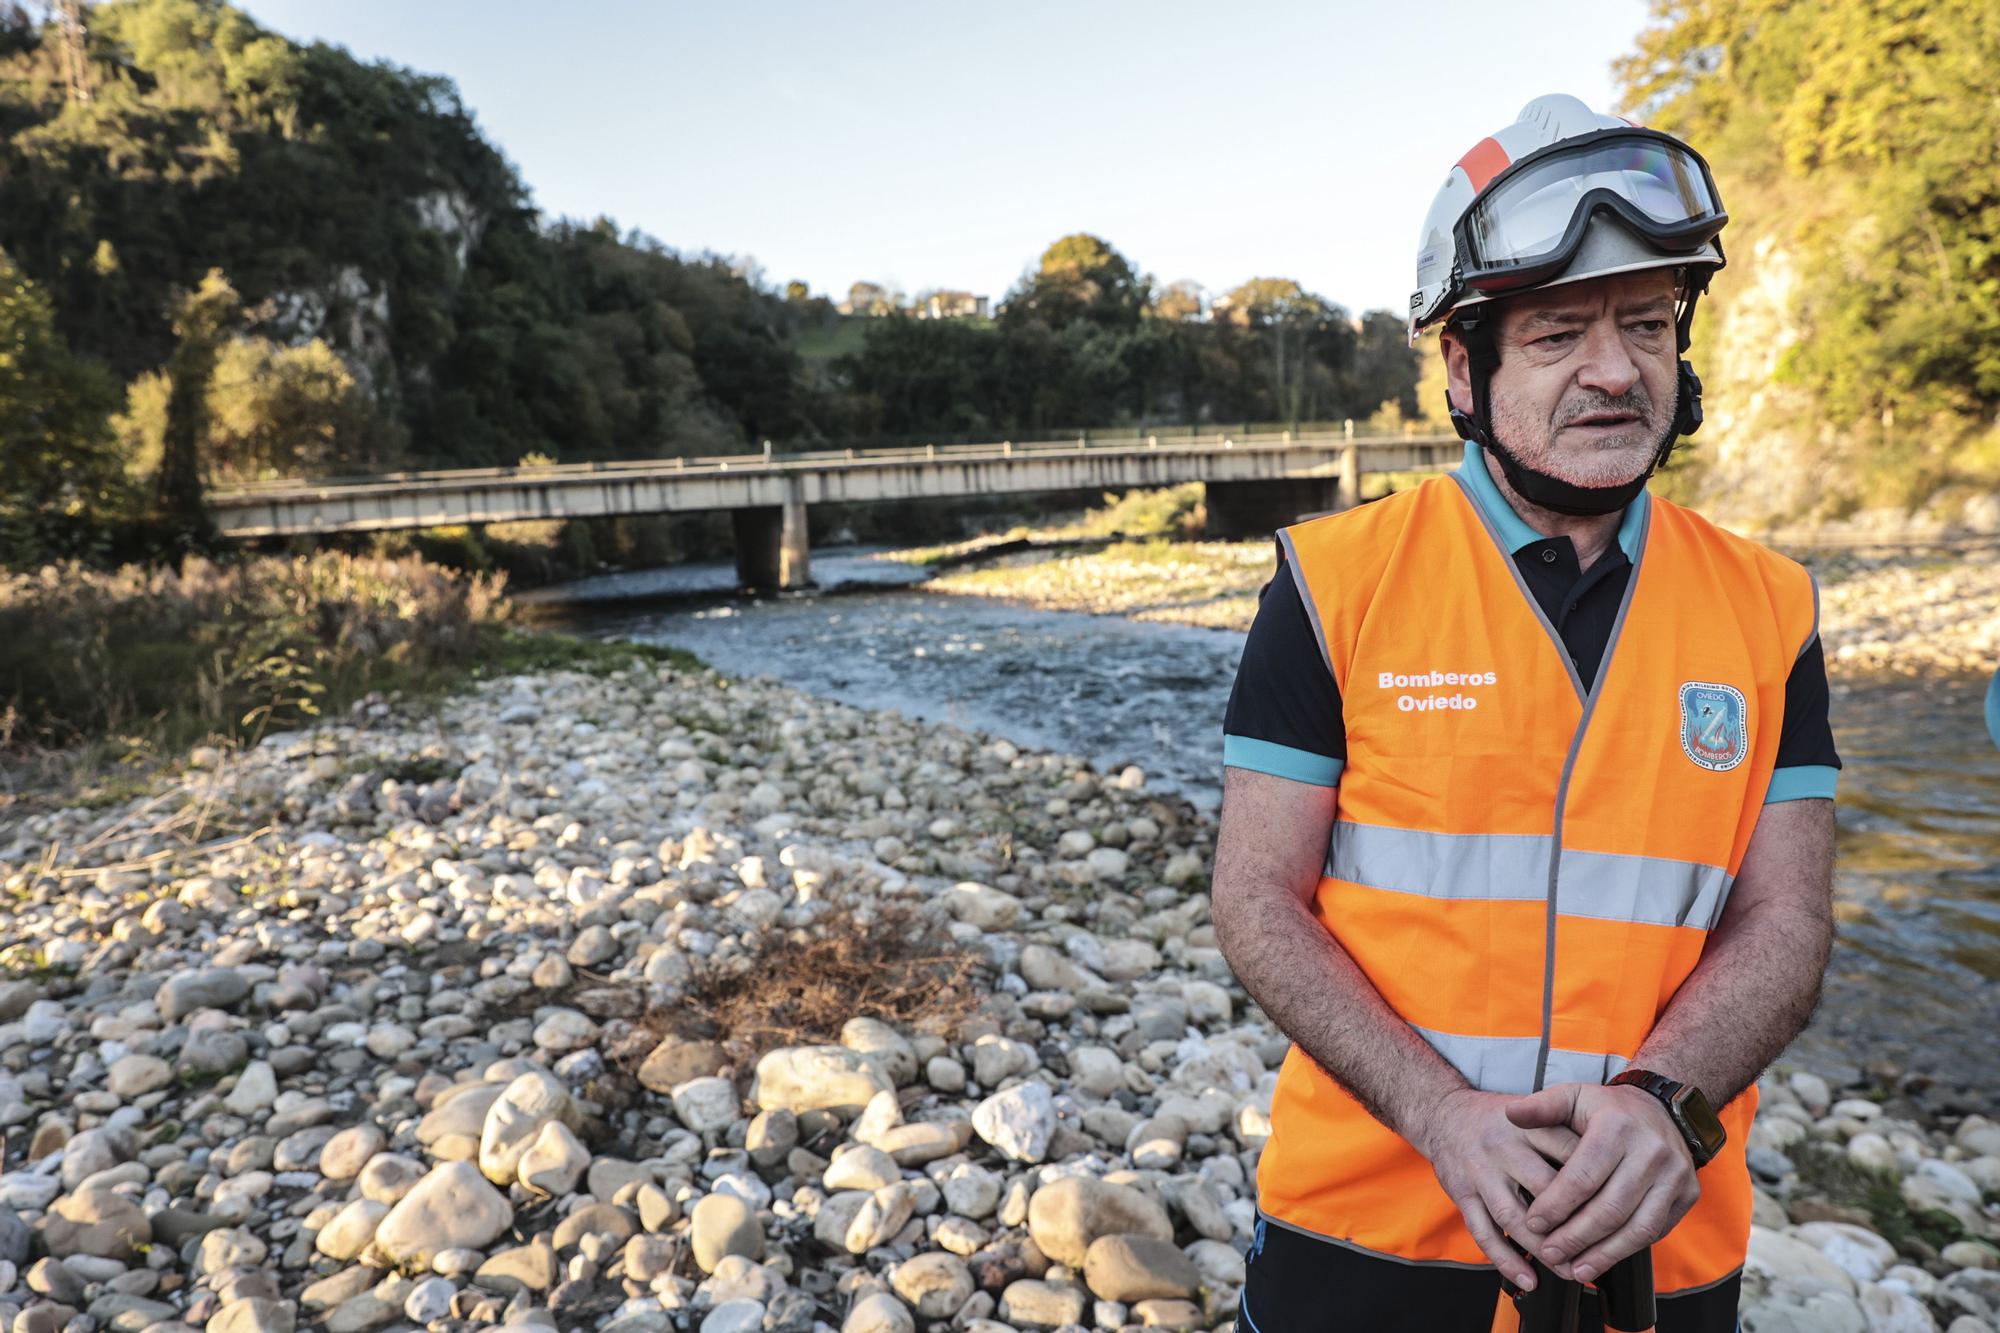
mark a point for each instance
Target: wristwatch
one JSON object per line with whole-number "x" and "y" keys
{"x": 1691, "y": 1113}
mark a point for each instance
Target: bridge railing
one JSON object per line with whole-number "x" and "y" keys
{"x": 769, "y": 459}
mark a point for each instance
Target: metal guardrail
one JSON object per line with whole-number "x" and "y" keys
{"x": 770, "y": 460}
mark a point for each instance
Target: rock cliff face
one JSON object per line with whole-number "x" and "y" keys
{"x": 352, "y": 309}
{"x": 453, "y": 215}
{"x": 1749, "y": 461}
{"x": 1767, "y": 456}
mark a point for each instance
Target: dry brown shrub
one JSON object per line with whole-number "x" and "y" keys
{"x": 218, "y": 648}
{"x": 887, "y": 961}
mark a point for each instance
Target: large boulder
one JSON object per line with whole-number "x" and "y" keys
{"x": 982, "y": 907}
{"x": 1864, "y": 1255}
{"x": 137, "y": 1074}
{"x": 817, "y": 1078}
{"x": 707, "y": 1104}
{"x": 721, "y": 1225}
{"x": 1019, "y": 1121}
{"x": 453, "y": 1207}
{"x": 1138, "y": 1268}
{"x": 1066, "y": 1215}
{"x": 879, "y": 1312}
{"x": 554, "y": 1162}
{"x": 1781, "y": 1258}
{"x": 676, "y": 1061}
{"x": 531, "y": 1102}
{"x": 202, "y": 988}
{"x": 98, "y": 1223}
{"x": 92, "y": 1150}
{"x": 1032, "y": 1303}
{"x": 459, "y": 1112}
{"x": 890, "y": 1049}
{"x": 935, "y": 1285}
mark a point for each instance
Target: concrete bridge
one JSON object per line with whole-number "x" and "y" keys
{"x": 1255, "y": 483}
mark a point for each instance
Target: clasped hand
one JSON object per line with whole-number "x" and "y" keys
{"x": 1604, "y": 1171}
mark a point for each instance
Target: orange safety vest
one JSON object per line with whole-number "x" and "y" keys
{"x": 1524, "y": 870}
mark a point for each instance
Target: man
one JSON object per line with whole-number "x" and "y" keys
{"x": 1527, "y": 822}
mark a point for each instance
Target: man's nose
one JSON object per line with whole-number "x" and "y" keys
{"x": 1607, "y": 363}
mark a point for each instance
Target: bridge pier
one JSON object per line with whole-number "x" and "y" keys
{"x": 1348, "y": 493}
{"x": 772, "y": 547}
{"x": 1259, "y": 508}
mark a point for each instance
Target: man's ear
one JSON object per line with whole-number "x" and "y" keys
{"x": 1457, "y": 370}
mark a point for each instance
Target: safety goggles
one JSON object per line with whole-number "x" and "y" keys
{"x": 1527, "y": 223}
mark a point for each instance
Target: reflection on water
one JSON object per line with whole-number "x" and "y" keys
{"x": 1915, "y": 976}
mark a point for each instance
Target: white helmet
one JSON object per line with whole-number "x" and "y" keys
{"x": 1561, "y": 195}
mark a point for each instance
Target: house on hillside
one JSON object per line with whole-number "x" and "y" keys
{"x": 950, "y": 305}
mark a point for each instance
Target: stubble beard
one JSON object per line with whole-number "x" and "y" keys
{"x": 1608, "y": 460}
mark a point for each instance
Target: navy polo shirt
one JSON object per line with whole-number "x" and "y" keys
{"x": 1284, "y": 714}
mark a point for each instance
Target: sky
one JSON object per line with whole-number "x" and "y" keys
{"x": 926, "y": 145}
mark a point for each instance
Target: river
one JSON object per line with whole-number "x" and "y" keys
{"x": 1915, "y": 977}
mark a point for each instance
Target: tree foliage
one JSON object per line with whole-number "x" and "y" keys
{"x": 56, "y": 450}
{"x": 1080, "y": 278}
{"x": 1858, "y": 137}
{"x": 298, "y": 262}
{"x": 358, "y": 205}
{"x": 1084, "y": 339}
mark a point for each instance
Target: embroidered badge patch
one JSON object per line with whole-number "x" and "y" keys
{"x": 1713, "y": 730}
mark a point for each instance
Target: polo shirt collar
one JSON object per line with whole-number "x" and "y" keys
{"x": 1514, "y": 529}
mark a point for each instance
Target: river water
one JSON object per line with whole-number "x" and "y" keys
{"x": 1915, "y": 977}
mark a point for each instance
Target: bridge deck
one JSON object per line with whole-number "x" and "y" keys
{"x": 765, "y": 479}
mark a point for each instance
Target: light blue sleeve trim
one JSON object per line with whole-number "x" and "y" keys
{"x": 1802, "y": 782}
{"x": 1281, "y": 761}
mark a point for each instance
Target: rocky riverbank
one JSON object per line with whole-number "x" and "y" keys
{"x": 1908, "y": 614}
{"x": 399, "y": 1022}
{"x": 1211, "y": 584}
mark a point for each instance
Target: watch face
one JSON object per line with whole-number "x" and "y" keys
{"x": 1697, "y": 1120}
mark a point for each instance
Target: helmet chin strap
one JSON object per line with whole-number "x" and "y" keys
{"x": 1548, "y": 491}
{"x": 1474, "y": 329}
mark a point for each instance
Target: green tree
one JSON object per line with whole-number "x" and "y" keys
{"x": 1180, "y": 301}
{"x": 59, "y": 480}
{"x": 1080, "y": 277}
{"x": 279, "y": 411}
{"x": 928, "y": 375}
{"x": 1853, "y": 142}
{"x": 201, "y": 322}
{"x": 1303, "y": 341}
{"x": 1386, "y": 367}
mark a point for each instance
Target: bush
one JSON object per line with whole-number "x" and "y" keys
{"x": 886, "y": 961}
{"x": 1172, "y": 511}
{"x": 164, "y": 658}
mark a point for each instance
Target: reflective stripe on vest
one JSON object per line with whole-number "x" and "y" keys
{"x": 1500, "y": 865}
{"x": 1527, "y": 871}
